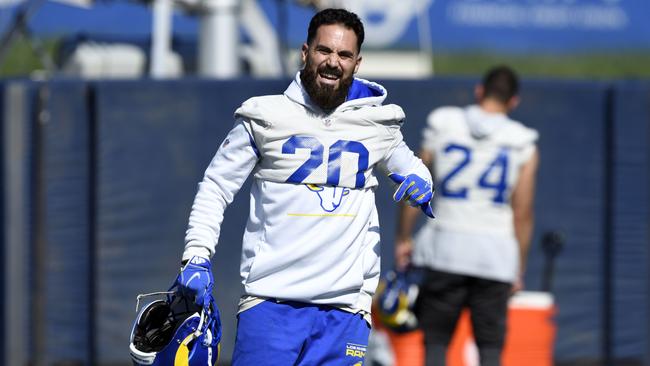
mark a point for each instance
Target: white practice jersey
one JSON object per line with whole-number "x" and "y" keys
{"x": 313, "y": 230}
{"x": 477, "y": 160}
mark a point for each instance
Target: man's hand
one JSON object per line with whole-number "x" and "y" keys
{"x": 518, "y": 285}
{"x": 195, "y": 280}
{"x": 403, "y": 250}
{"x": 414, "y": 190}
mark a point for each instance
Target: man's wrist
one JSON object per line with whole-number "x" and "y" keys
{"x": 403, "y": 241}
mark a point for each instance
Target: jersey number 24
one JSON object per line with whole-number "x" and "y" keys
{"x": 497, "y": 167}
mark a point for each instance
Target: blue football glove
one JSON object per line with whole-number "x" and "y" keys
{"x": 414, "y": 190}
{"x": 195, "y": 280}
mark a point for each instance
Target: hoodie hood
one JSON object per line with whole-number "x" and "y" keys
{"x": 362, "y": 93}
{"x": 498, "y": 127}
{"x": 482, "y": 124}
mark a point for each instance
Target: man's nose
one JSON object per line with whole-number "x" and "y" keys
{"x": 333, "y": 60}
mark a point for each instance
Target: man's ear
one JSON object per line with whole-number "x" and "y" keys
{"x": 513, "y": 103}
{"x": 304, "y": 50}
{"x": 356, "y": 66}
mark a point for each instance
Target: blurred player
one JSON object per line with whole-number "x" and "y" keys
{"x": 310, "y": 258}
{"x": 474, "y": 253}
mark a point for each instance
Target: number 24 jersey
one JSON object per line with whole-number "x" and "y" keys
{"x": 477, "y": 158}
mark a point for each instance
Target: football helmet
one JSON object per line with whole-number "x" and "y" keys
{"x": 176, "y": 332}
{"x": 395, "y": 299}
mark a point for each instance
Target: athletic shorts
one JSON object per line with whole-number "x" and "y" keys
{"x": 293, "y": 333}
{"x": 443, "y": 296}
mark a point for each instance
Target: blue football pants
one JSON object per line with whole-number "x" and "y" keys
{"x": 293, "y": 333}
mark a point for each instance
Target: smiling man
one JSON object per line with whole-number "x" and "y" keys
{"x": 310, "y": 257}
{"x": 331, "y": 58}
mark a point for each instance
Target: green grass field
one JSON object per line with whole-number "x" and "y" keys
{"x": 22, "y": 60}
{"x": 624, "y": 65}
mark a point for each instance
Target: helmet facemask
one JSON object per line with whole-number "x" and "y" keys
{"x": 166, "y": 330}
{"x": 159, "y": 321}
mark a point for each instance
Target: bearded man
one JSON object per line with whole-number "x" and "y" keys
{"x": 310, "y": 258}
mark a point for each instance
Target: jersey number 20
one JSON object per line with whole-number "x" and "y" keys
{"x": 498, "y": 166}
{"x": 333, "y": 159}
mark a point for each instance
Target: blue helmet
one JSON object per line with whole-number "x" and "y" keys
{"x": 395, "y": 299}
{"x": 176, "y": 332}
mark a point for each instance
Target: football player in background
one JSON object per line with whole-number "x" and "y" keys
{"x": 310, "y": 258}
{"x": 474, "y": 253}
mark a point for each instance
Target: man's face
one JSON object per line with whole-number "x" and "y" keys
{"x": 331, "y": 60}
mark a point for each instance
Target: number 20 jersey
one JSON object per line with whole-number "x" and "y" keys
{"x": 477, "y": 158}
{"x": 340, "y": 149}
{"x": 313, "y": 230}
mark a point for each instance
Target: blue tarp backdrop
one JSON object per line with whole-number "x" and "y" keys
{"x": 118, "y": 163}
{"x": 504, "y": 25}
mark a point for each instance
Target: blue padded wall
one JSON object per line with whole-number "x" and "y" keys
{"x": 66, "y": 172}
{"x": 154, "y": 141}
{"x": 630, "y": 219}
{"x": 571, "y": 199}
{"x": 122, "y": 160}
{"x": 570, "y": 194}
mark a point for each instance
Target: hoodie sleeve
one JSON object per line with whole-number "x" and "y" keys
{"x": 229, "y": 168}
{"x": 437, "y": 121}
{"x": 520, "y": 137}
{"x": 404, "y": 162}
{"x": 400, "y": 158}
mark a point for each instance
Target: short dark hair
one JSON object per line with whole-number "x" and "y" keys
{"x": 336, "y": 16}
{"x": 500, "y": 83}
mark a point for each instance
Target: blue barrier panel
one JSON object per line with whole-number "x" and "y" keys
{"x": 630, "y": 215}
{"x": 64, "y": 182}
{"x": 570, "y": 199}
{"x": 570, "y": 194}
{"x": 154, "y": 141}
{"x": 144, "y": 147}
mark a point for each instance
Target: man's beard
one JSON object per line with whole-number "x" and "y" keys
{"x": 325, "y": 96}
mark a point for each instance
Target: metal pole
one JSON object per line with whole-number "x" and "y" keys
{"x": 426, "y": 41}
{"x": 16, "y": 220}
{"x": 283, "y": 35}
{"x": 219, "y": 39}
{"x": 160, "y": 38}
